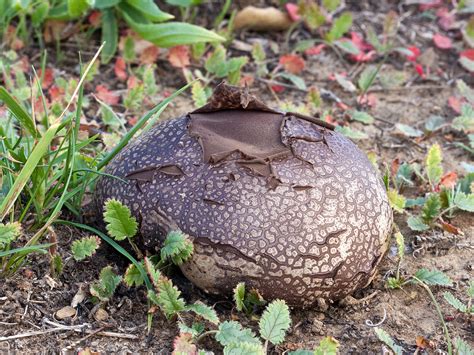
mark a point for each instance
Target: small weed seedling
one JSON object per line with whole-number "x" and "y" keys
{"x": 424, "y": 278}
{"x": 465, "y": 308}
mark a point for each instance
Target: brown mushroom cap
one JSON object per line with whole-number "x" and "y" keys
{"x": 277, "y": 200}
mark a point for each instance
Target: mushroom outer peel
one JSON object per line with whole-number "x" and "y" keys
{"x": 277, "y": 200}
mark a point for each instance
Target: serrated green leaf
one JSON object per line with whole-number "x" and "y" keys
{"x": 239, "y": 296}
{"x": 194, "y": 330}
{"x": 434, "y": 170}
{"x": 361, "y": 116}
{"x": 177, "y": 246}
{"x": 204, "y": 311}
{"x": 243, "y": 349}
{"x": 431, "y": 208}
{"x": 462, "y": 347}
{"x": 464, "y": 201}
{"x": 433, "y": 277}
{"x": 340, "y": 26}
{"x": 312, "y": 14}
{"x": 465, "y": 122}
{"x": 331, "y": 5}
{"x": 132, "y": 276}
{"x": 258, "y": 53}
{"x": 367, "y": 77}
{"x": 199, "y": 94}
{"x": 396, "y": 200}
{"x": 417, "y": 224}
{"x": 120, "y": 223}
{"x": 168, "y": 297}
{"x": 84, "y": 247}
{"x": 455, "y": 302}
{"x": 400, "y": 240}
{"x": 215, "y": 63}
{"x": 327, "y": 346}
{"x": 152, "y": 272}
{"x": 351, "y": 133}
{"x": 232, "y": 332}
{"x": 274, "y": 322}
{"x": 387, "y": 340}
{"x": 411, "y": 202}
{"x": 409, "y": 130}
{"x": 105, "y": 287}
{"x": 465, "y": 91}
{"x": 8, "y": 233}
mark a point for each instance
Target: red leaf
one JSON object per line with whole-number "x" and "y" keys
{"x": 94, "y": 18}
{"x": 55, "y": 93}
{"x": 468, "y": 53}
{"x": 449, "y": 180}
{"x": 315, "y": 50}
{"x": 359, "y": 42}
{"x": 442, "y": 42}
{"x": 149, "y": 55}
{"x": 104, "y": 94}
{"x": 292, "y": 10}
{"x": 48, "y": 78}
{"x": 120, "y": 69}
{"x": 132, "y": 82}
{"x": 448, "y": 227}
{"x": 455, "y": 103}
{"x": 416, "y": 53}
{"x": 179, "y": 56}
{"x": 132, "y": 120}
{"x": 367, "y": 99}
{"x": 292, "y": 63}
{"x": 247, "y": 80}
{"x": 426, "y": 5}
{"x": 419, "y": 70}
{"x": 277, "y": 88}
{"x": 446, "y": 19}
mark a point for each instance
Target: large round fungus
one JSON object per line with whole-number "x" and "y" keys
{"x": 277, "y": 200}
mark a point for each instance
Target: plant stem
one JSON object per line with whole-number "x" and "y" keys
{"x": 440, "y": 313}
{"x": 205, "y": 334}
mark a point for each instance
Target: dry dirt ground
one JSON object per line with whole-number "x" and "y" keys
{"x": 29, "y": 300}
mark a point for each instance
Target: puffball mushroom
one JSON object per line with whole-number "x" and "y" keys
{"x": 277, "y": 200}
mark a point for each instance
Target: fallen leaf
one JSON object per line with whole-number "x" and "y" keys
{"x": 292, "y": 10}
{"x": 449, "y": 180}
{"x": 448, "y": 227}
{"x": 53, "y": 30}
{"x": 262, "y": 19}
{"x": 415, "y": 53}
{"x": 394, "y": 166}
{"x": 149, "y": 55}
{"x": 179, "y": 56}
{"x": 367, "y": 99}
{"x": 104, "y": 94}
{"x": 120, "y": 69}
{"x": 345, "y": 83}
{"x": 467, "y": 53}
{"x": 65, "y": 312}
{"x": 447, "y": 19}
{"x": 423, "y": 343}
{"x": 95, "y": 18}
{"x": 455, "y": 103}
{"x": 315, "y": 50}
{"x": 292, "y": 63}
{"x": 48, "y": 77}
{"x": 442, "y": 42}
{"x": 101, "y": 315}
{"x": 79, "y": 296}
{"x": 277, "y": 88}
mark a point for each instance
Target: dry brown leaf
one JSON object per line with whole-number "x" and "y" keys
{"x": 262, "y": 19}
{"x": 66, "y": 312}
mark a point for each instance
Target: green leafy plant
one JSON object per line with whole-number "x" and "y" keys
{"x": 105, "y": 287}
{"x": 143, "y": 16}
{"x": 84, "y": 247}
{"x": 247, "y": 301}
{"x": 466, "y": 308}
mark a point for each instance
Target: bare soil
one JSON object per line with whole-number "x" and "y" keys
{"x": 30, "y": 299}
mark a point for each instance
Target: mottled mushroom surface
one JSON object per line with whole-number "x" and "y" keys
{"x": 277, "y": 200}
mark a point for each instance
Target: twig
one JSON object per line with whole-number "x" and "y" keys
{"x": 42, "y": 332}
{"x": 76, "y": 343}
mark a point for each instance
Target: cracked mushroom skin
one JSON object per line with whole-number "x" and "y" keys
{"x": 277, "y": 200}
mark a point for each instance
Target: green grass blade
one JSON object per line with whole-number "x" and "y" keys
{"x": 20, "y": 113}
{"x": 38, "y": 152}
{"x": 27, "y": 250}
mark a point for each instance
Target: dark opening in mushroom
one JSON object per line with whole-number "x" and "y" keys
{"x": 277, "y": 200}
